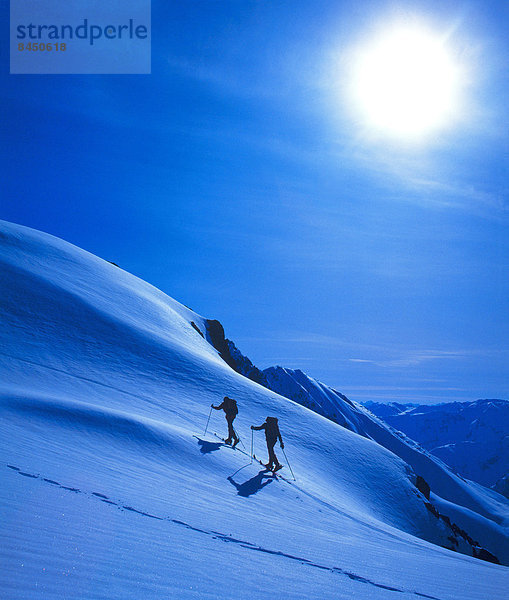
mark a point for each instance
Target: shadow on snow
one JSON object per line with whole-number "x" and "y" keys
{"x": 253, "y": 485}
{"x": 206, "y": 447}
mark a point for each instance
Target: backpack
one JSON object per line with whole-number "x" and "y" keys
{"x": 230, "y": 406}
{"x": 272, "y": 426}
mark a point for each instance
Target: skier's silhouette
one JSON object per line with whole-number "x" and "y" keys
{"x": 272, "y": 434}
{"x": 229, "y": 405}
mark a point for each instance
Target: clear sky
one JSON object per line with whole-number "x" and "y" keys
{"x": 240, "y": 179}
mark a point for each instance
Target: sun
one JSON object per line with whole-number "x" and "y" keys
{"x": 405, "y": 82}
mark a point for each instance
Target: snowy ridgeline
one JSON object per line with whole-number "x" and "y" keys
{"x": 111, "y": 490}
{"x": 471, "y": 437}
{"x": 450, "y": 494}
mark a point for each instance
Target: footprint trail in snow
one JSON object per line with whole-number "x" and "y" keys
{"x": 219, "y": 536}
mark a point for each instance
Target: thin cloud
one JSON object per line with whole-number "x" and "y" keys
{"x": 416, "y": 358}
{"x": 462, "y": 196}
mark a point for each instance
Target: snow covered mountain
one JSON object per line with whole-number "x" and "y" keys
{"x": 110, "y": 489}
{"x": 469, "y": 506}
{"x": 471, "y": 437}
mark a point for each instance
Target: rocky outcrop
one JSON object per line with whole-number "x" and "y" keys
{"x": 459, "y": 535}
{"x": 231, "y": 355}
{"x": 215, "y": 335}
{"x": 423, "y": 486}
{"x": 196, "y": 328}
{"x": 483, "y": 554}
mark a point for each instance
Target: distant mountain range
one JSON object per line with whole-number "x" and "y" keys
{"x": 471, "y": 437}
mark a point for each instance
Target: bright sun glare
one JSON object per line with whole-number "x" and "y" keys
{"x": 406, "y": 83}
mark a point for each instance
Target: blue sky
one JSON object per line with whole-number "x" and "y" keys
{"x": 237, "y": 179}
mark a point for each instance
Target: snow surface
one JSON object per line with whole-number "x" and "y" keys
{"x": 111, "y": 490}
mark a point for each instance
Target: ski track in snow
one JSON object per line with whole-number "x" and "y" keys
{"x": 216, "y": 535}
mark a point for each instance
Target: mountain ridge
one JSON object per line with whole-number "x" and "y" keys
{"x": 446, "y": 486}
{"x": 111, "y": 488}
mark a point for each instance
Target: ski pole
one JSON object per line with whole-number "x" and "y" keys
{"x": 207, "y": 425}
{"x": 252, "y": 448}
{"x": 289, "y": 466}
{"x": 235, "y": 431}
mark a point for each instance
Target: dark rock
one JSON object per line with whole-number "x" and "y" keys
{"x": 432, "y": 509}
{"x": 216, "y": 334}
{"x": 196, "y": 328}
{"x": 483, "y": 554}
{"x": 231, "y": 355}
{"x": 423, "y": 486}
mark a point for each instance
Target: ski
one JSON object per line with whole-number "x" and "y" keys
{"x": 275, "y": 473}
{"x": 236, "y": 447}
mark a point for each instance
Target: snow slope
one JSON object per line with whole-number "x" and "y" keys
{"x": 111, "y": 490}
{"x": 487, "y": 509}
{"x": 471, "y": 437}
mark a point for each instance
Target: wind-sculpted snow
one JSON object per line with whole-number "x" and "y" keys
{"x": 118, "y": 427}
{"x": 111, "y": 490}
